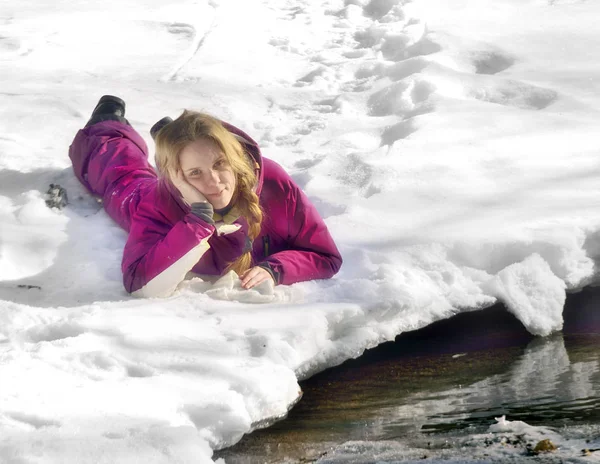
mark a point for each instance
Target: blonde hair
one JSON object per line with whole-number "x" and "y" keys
{"x": 191, "y": 126}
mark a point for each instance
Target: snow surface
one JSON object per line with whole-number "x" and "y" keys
{"x": 452, "y": 148}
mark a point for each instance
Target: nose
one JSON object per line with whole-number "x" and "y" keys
{"x": 213, "y": 177}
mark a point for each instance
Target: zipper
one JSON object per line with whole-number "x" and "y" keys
{"x": 266, "y": 245}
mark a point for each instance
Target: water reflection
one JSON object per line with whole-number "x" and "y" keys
{"x": 542, "y": 386}
{"x": 456, "y": 374}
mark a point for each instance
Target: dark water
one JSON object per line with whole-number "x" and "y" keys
{"x": 442, "y": 387}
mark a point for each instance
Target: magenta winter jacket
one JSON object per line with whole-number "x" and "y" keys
{"x": 166, "y": 240}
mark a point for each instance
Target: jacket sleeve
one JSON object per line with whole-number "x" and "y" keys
{"x": 226, "y": 245}
{"x": 158, "y": 255}
{"x": 312, "y": 253}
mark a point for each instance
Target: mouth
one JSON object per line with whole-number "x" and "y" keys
{"x": 215, "y": 195}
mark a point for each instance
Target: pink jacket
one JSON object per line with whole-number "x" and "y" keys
{"x": 166, "y": 240}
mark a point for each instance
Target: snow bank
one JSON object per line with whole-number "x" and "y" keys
{"x": 451, "y": 149}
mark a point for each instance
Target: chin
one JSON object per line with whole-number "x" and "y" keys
{"x": 221, "y": 203}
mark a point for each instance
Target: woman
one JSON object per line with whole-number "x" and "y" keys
{"x": 216, "y": 204}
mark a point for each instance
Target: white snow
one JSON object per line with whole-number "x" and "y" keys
{"x": 452, "y": 148}
{"x": 532, "y": 293}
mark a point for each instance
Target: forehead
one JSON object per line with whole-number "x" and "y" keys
{"x": 201, "y": 152}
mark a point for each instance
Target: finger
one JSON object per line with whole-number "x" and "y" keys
{"x": 244, "y": 274}
{"x": 257, "y": 281}
{"x": 248, "y": 275}
{"x": 258, "y": 278}
{"x": 251, "y": 283}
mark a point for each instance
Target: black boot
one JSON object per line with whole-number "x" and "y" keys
{"x": 159, "y": 125}
{"x": 109, "y": 108}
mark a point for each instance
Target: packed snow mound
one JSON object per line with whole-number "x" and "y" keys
{"x": 229, "y": 288}
{"x": 532, "y": 293}
{"x": 454, "y": 163}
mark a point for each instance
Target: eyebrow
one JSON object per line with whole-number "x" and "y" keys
{"x": 220, "y": 158}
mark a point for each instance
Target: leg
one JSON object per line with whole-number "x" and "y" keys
{"x": 111, "y": 161}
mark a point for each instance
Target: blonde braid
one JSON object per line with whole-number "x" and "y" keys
{"x": 249, "y": 207}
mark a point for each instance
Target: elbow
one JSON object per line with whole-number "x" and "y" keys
{"x": 327, "y": 268}
{"x": 128, "y": 282}
{"x": 163, "y": 284}
{"x": 149, "y": 290}
{"x": 335, "y": 263}
{"x": 155, "y": 288}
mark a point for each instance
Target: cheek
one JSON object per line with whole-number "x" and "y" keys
{"x": 230, "y": 179}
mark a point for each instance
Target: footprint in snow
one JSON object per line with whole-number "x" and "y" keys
{"x": 399, "y": 131}
{"x": 357, "y": 174}
{"x": 491, "y": 61}
{"x": 403, "y": 69}
{"x": 400, "y": 98}
{"x": 425, "y": 46}
{"x": 310, "y": 78}
{"x": 257, "y": 344}
{"x": 370, "y": 37}
{"x": 329, "y": 105}
{"x": 32, "y": 420}
{"x": 53, "y": 332}
{"x": 186, "y": 30}
{"x": 515, "y": 93}
{"x": 12, "y": 47}
{"x": 386, "y": 10}
{"x": 308, "y": 162}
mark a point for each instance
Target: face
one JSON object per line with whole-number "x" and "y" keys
{"x": 205, "y": 167}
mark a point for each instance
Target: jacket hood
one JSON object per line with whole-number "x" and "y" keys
{"x": 252, "y": 149}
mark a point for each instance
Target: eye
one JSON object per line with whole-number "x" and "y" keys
{"x": 194, "y": 172}
{"x": 220, "y": 164}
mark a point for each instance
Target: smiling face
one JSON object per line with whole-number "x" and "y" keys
{"x": 205, "y": 167}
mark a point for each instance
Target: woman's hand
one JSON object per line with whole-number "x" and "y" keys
{"x": 254, "y": 276}
{"x": 189, "y": 193}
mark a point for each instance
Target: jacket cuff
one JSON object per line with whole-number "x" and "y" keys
{"x": 203, "y": 210}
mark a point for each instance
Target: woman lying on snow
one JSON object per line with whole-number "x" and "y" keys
{"x": 216, "y": 204}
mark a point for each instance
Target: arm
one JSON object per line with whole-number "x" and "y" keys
{"x": 226, "y": 245}
{"x": 158, "y": 255}
{"x": 312, "y": 253}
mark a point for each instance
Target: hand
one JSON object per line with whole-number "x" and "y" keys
{"x": 189, "y": 193}
{"x": 254, "y": 276}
